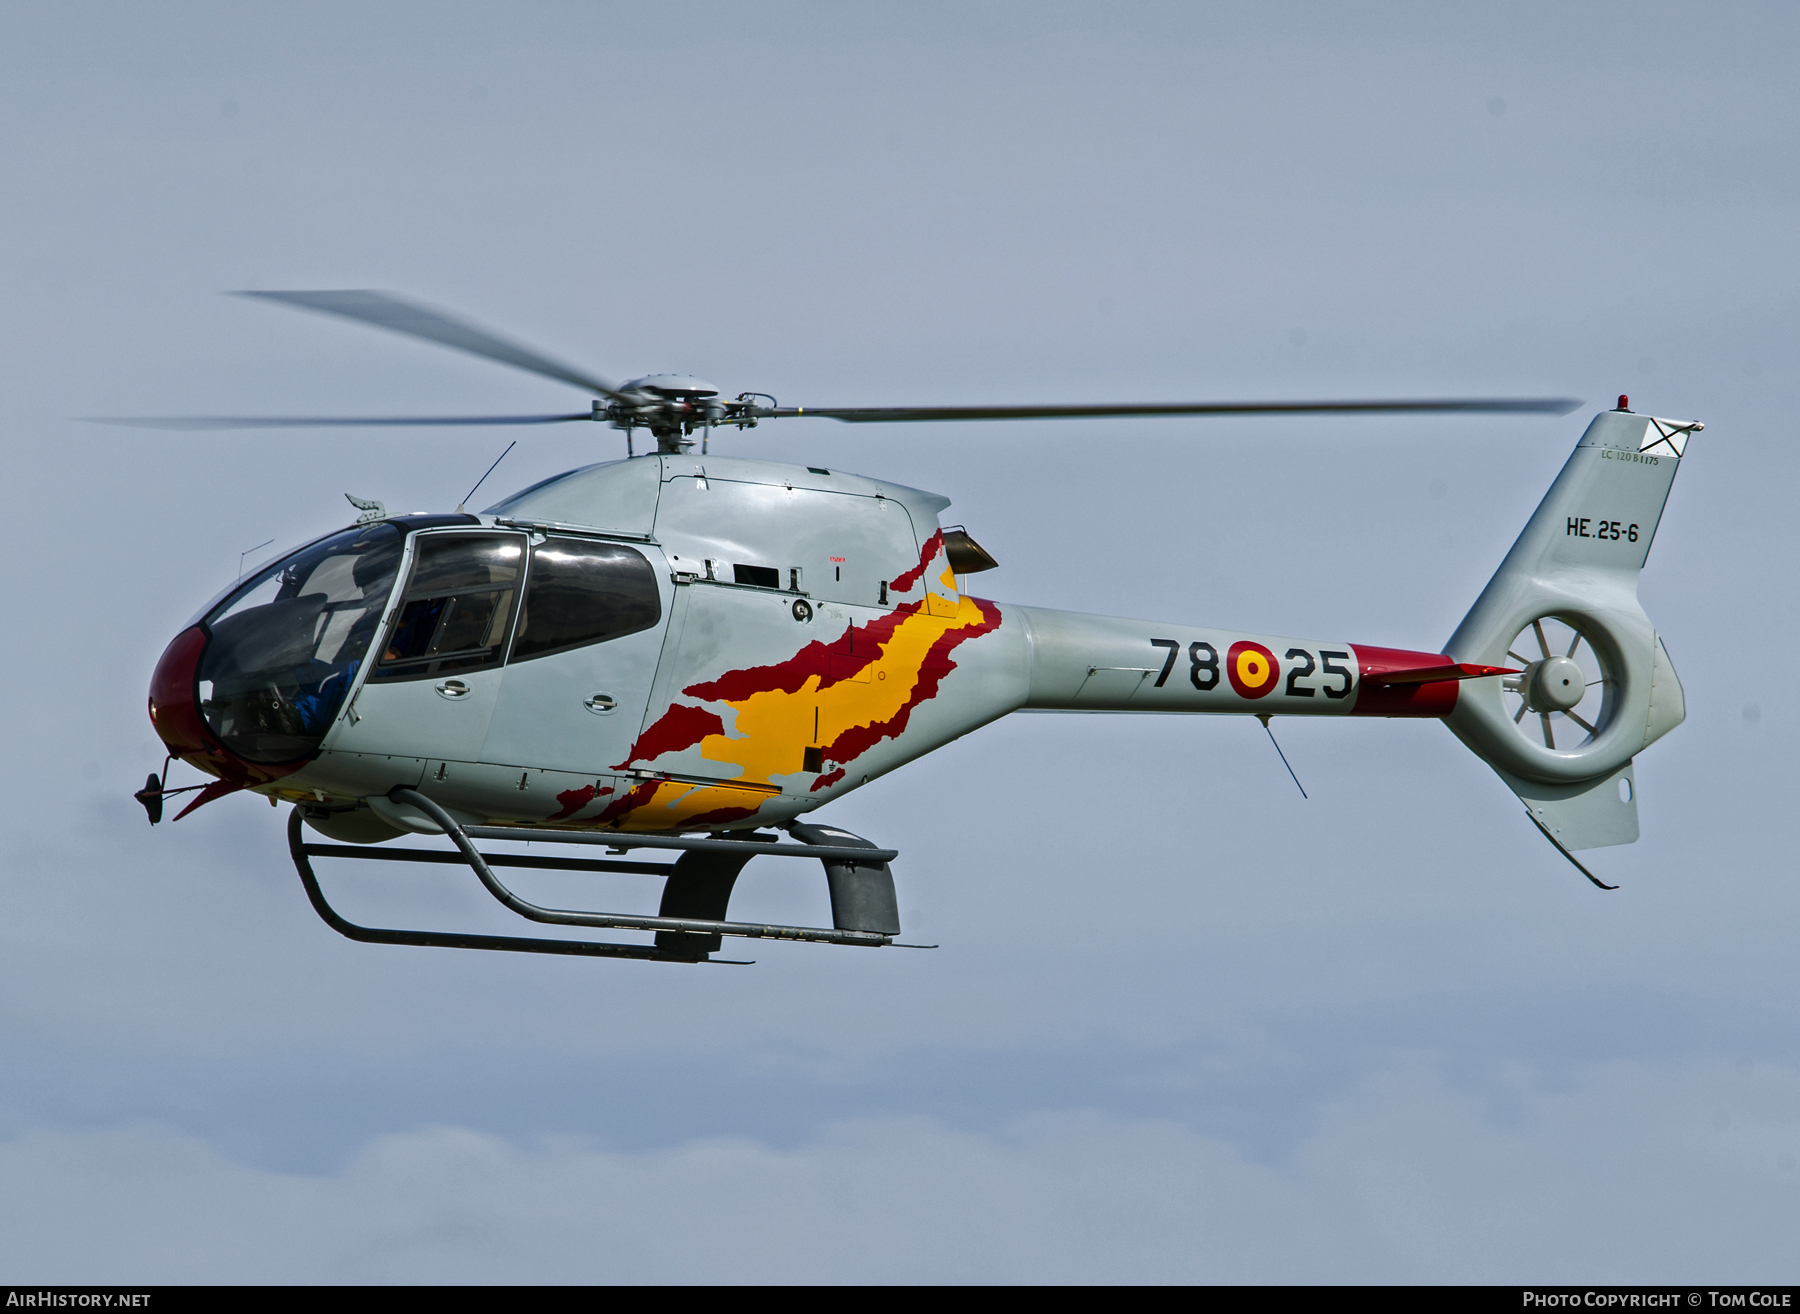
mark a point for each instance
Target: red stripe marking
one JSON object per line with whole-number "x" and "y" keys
{"x": 813, "y": 659}
{"x": 933, "y": 546}
{"x": 857, "y": 740}
{"x": 678, "y": 728}
{"x": 718, "y": 815}
{"x": 629, "y": 801}
{"x": 573, "y": 801}
{"x": 683, "y": 726}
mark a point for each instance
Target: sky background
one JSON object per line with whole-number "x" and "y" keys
{"x": 1184, "y": 1025}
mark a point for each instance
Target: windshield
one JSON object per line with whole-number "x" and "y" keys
{"x": 286, "y": 646}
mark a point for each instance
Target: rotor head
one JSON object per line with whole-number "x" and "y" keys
{"x": 670, "y": 406}
{"x": 672, "y": 385}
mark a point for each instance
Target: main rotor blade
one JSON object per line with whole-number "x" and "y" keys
{"x": 190, "y": 422}
{"x": 894, "y": 414}
{"x": 384, "y": 310}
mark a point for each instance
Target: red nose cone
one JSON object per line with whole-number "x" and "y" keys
{"x": 172, "y": 709}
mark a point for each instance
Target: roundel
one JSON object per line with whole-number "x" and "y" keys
{"x": 1252, "y": 669}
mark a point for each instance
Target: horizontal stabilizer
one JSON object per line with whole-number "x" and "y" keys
{"x": 1449, "y": 670}
{"x": 1400, "y": 682}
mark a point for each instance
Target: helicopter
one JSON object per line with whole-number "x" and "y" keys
{"x": 691, "y": 653}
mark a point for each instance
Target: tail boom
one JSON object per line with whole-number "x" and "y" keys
{"x": 1084, "y": 663}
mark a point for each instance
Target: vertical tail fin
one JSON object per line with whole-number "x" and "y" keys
{"x": 1597, "y": 685}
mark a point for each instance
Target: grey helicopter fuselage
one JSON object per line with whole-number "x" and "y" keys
{"x": 684, "y": 642}
{"x": 675, "y": 642}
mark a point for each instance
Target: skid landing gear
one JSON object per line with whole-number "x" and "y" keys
{"x": 690, "y": 925}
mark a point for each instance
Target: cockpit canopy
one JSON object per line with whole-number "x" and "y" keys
{"x": 285, "y": 648}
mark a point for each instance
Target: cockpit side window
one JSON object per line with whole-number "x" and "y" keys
{"x": 583, "y": 592}
{"x": 457, "y": 608}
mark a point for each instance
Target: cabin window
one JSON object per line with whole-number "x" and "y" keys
{"x": 583, "y": 592}
{"x": 458, "y": 606}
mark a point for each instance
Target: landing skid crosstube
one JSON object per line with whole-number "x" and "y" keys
{"x": 691, "y": 923}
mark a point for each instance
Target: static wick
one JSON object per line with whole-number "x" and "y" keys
{"x": 1264, "y": 718}
{"x": 490, "y": 470}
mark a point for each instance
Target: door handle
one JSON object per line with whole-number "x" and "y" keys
{"x": 600, "y": 704}
{"x": 453, "y": 689}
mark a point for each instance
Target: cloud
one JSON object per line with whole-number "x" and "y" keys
{"x": 1625, "y": 1174}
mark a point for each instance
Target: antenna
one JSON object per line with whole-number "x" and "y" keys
{"x": 1264, "y": 718}
{"x": 247, "y": 551}
{"x": 490, "y": 470}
